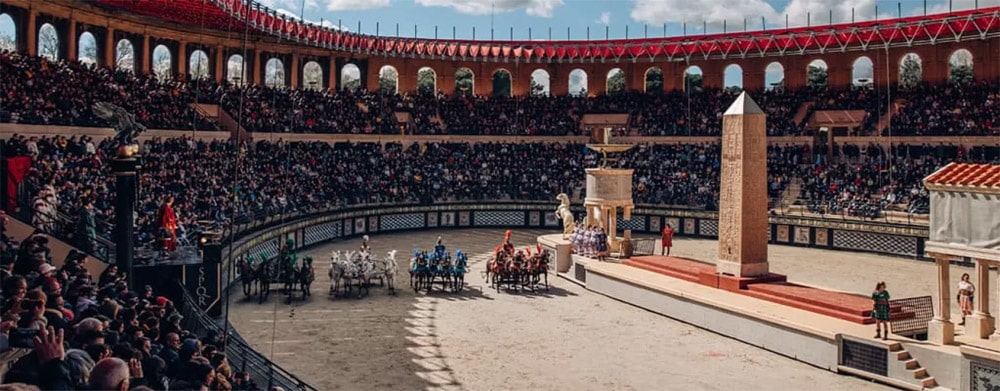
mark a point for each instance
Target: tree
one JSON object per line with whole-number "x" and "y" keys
{"x": 816, "y": 76}
{"x": 387, "y": 80}
{"x": 352, "y": 83}
{"x": 88, "y": 49}
{"x": 426, "y": 81}
{"x": 537, "y": 89}
{"x": 464, "y": 83}
{"x": 961, "y": 74}
{"x": 910, "y": 71}
{"x": 234, "y": 70}
{"x": 654, "y": 81}
{"x": 692, "y": 81}
{"x": 501, "y": 83}
{"x": 274, "y": 73}
{"x": 578, "y": 83}
{"x": 199, "y": 65}
{"x": 616, "y": 81}
{"x": 125, "y": 56}
{"x": 48, "y": 42}
{"x": 161, "y": 62}
{"x": 312, "y": 75}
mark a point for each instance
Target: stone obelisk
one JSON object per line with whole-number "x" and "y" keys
{"x": 743, "y": 221}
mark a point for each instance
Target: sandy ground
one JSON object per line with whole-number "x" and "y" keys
{"x": 563, "y": 339}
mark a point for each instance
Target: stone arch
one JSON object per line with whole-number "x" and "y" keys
{"x": 350, "y": 77}
{"x": 274, "y": 73}
{"x": 693, "y": 78}
{"x": 426, "y": 81}
{"x": 615, "y": 81}
{"x": 817, "y": 74}
{"x": 911, "y": 70}
{"x": 465, "y": 81}
{"x": 541, "y": 84}
{"x": 8, "y": 33}
{"x": 48, "y": 42}
{"x": 125, "y": 55}
{"x": 732, "y": 77}
{"x": 863, "y": 72}
{"x": 236, "y": 70}
{"x": 653, "y": 80}
{"x": 198, "y": 64}
{"x": 162, "y": 61}
{"x": 388, "y": 80}
{"x": 960, "y": 66}
{"x": 503, "y": 85}
{"x": 312, "y": 76}
{"x": 86, "y": 48}
{"x": 774, "y": 76}
{"x": 578, "y": 82}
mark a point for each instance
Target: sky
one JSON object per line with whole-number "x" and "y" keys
{"x": 607, "y": 18}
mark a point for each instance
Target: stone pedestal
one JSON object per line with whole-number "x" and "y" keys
{"x": 608, "y": 189}
{"x": 562, "y": 250}
{"x": 743, "y": 224}
{"x": 941, "y": 332}
{"x": 979, "y": 325}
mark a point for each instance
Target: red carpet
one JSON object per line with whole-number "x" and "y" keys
{"x": 773, "y": 288}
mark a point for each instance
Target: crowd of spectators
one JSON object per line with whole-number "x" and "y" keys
{"x": 949, "y": 110}
{"x": 277, "y": 177}
{"x": 65, "y": 329}
{"x": 38, "y": 91}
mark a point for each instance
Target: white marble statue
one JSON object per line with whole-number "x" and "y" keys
{"x": 564, "y": 214}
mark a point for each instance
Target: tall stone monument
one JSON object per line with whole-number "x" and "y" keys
{"x": 743, "y": 221}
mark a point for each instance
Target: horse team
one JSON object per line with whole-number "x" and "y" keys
{"x": 285, "y": 269}
{"x": 352, "y": 272}
{"x": 519, "y": 269}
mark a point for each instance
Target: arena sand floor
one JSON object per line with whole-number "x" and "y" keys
{"x": 564, "y": 339}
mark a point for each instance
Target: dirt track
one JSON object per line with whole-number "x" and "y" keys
{"x": 563, "y": 339}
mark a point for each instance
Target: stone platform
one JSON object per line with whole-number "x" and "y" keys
{"x": 772, "y": 287}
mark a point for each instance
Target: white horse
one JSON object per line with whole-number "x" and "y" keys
{"x": 391, "y": 268}
{"x": 337, "y": 271}
{"x": 565, "y": 214}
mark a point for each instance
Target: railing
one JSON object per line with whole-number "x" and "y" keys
{"x": 241, "y": 354}
{"x": 870, "y": 212}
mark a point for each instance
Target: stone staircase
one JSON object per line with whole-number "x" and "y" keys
{"x": 898, "y": 356}
{"x": 225, "y": 121}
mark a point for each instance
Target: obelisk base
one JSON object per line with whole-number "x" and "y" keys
{"x": 738, "y": 269}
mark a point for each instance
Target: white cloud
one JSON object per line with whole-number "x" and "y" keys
{"x": 541, "y": 8}
{"x": 324, "y": 23}
{"x": 355, "y": 5}
{"x": 604, "y": 19}
{"x": 817, "y": 12}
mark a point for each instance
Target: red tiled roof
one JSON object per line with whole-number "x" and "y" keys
{"x": 970, "y": 175}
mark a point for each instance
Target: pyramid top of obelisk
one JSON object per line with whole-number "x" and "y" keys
{"x": 744, "y": 104}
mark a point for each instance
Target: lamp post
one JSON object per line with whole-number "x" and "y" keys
{"x": 126, "y": 168}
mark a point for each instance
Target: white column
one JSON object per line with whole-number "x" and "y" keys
{"x": 940, "y": 329}
{"x": 981, "y": 324}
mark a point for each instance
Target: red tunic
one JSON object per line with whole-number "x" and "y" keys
{"x": 168, "y": 220}
{"x": 668, "y": 237}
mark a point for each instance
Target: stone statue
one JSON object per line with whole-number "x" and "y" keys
{"x": 564, "y": 214}
{"x": 126, "y": 128}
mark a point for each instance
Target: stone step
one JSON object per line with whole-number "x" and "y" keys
{"x": 919, "y": 373}
{"x": 903, "y": 355}
{"x": 928, "y": 382}
{"x": 912, "y": 364}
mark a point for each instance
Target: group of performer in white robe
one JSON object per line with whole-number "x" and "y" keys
{"x": 589, "y": 241}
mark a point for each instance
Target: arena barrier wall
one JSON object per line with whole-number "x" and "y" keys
{"x": 262, "y": 238}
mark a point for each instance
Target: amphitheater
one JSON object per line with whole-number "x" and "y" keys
{"x": 268, "y": 129}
